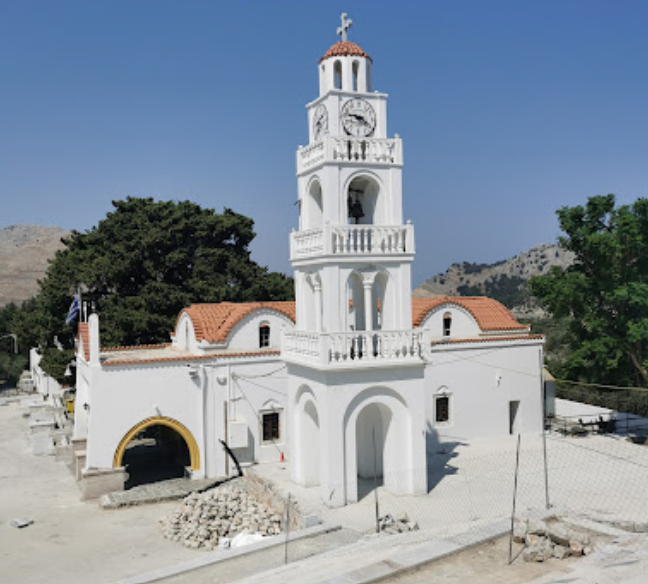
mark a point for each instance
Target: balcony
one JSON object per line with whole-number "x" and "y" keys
{"x": 348, "y": 240}
{"x": 382, "y": 151}
{"x": 355, "y": 349}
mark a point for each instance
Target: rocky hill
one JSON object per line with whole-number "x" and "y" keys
{"x": 25, "y": 251}
{"x": 504, "y": 280}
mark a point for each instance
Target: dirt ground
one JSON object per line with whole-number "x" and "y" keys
{"x": 70, "y": 542}
{"x": 484, "y": 564}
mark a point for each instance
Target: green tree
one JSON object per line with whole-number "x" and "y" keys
{"x": 140, "y": 266}
{"x": 603, "y": 296}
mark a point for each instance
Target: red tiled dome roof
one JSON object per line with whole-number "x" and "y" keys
{"x": 214, "y": 322}
{"x": 345, "y": 49}
{"x": 489, "y": 314}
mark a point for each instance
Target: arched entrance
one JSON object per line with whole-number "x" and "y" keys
{"x": 372, "y": 432}
{"x": 157, "y": 449}
{"x": 380, "y": 416}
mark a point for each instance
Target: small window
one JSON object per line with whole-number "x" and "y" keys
{"x": 264, "y": 335}
{"x": 337, "y": 73}
{"x": 447, "y": 324}
{"x": 270, "y": 426}
{"x": 355, "y": 69}
{"x": 442, "y": 413}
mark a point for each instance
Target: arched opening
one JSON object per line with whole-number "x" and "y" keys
{"x": 355, "y": 295}
{"x": 314, "y": 212}
{"x": 355, "y": 71}
{"x": 156, "y": 449}
{"x": 337, "y": 75}
{"x": 382, "y": 319}
{"x": 362, "y": 204}
{"x": 372, "y": 431}
{"x": 310, "y": 436}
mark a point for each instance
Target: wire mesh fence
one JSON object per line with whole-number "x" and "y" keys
{"x": 596, "y": 480}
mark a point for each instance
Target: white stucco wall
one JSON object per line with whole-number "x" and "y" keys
{"x": 184, "y": 335}
{"x": 330, "y": 437}
{"x": 481, "y": 380}
{"x": 245, "y": 335}
{"x": 203, "y": 396}
{"x": 463, "y": 326}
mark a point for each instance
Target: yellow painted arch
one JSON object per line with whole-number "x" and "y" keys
{"x": 192, "y": 445}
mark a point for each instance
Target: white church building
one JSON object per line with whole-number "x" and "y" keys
{"x": 353, "y": 379}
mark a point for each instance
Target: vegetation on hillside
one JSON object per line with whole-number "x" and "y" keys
{"x": 602, "y": 298}
{"x": 139, "y": 267}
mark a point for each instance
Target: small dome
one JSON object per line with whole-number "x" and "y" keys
{"x": 345, "y": 49}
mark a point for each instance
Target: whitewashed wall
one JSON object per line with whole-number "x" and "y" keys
{"x": 463, "y": 326}
{"x": 481, "y": 381}
{"x": 245, "y": 334}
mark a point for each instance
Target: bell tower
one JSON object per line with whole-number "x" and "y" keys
{"x": 351, "y": 254}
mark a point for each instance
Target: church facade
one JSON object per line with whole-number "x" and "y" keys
{"x": 353, "y": 381}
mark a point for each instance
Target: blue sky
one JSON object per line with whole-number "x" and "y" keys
{"x": 508, "y": 111}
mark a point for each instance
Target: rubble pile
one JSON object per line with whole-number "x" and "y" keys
{"x": 402, "y": 524}
{"x": 551, "y": 539}
{"x": 211, "y": 519}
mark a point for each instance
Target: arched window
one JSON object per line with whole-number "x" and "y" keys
{"x": 264, "y": 335}
{"x": 337, "y": 74}
{"x": 355, "y": 69}
{"x": 447, "y": 324}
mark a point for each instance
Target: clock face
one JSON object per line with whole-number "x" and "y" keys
{"x": 358, "y": 118}
{"x": 320, "y": 122}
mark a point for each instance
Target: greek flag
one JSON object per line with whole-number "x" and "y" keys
{"x": 75, "y": 308}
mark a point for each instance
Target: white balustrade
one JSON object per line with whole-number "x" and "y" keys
{"x": 345, "y": 149}
{"x": 354, "y": 348}
{"x": 353, "y": 240}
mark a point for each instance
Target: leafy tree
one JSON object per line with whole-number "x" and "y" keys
{"x": 603, "y": 296}
{"x": 140, "y": 266}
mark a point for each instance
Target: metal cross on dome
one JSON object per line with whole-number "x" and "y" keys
{"x": 346, "y": 24}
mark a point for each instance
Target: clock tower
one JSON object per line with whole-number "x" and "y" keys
{"x": 355, "y": 364}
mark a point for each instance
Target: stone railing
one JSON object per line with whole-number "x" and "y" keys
{"x": 344, "y": 149}
{"x": 352, "y": 240}
{"x": 355, "y": 348}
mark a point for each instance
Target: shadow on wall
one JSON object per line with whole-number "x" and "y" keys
{"x": 438, "y": 454}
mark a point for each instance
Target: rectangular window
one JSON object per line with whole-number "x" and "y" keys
{"x": 264, "y": 336}
{"x": 442, "y": 409}
{"x": 270, "y": 426}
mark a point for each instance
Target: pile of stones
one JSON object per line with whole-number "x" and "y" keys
{"x": 401, "y": 524}
{"x": 551, "y": 539}
{"x": 212, "y": 518}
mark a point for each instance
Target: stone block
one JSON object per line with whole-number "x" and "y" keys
{"x": 79, "y": 444}
{"x": 79, "y": 463}
{"x": 97, "y": 482}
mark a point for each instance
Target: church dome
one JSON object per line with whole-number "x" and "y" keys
{"x": 345, "y": 49}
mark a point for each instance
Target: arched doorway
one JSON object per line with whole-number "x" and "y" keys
{"x": 156, "y": 449}
{"x": 372, "y": 433}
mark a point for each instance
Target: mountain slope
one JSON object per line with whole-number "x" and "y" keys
{"x": 504, "y": 280}
{"x": 25, "y": 251}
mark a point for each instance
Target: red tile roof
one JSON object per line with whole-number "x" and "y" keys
{"x": 489, "y": 314}
{"x": 189, "y": 358}
{"x": 345, "y": 49}
{"x": 134, "y": 347}
{"x": 83, "y": 336}
{"x": 488, "y": 340}
{"x": 214, "y": 322}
